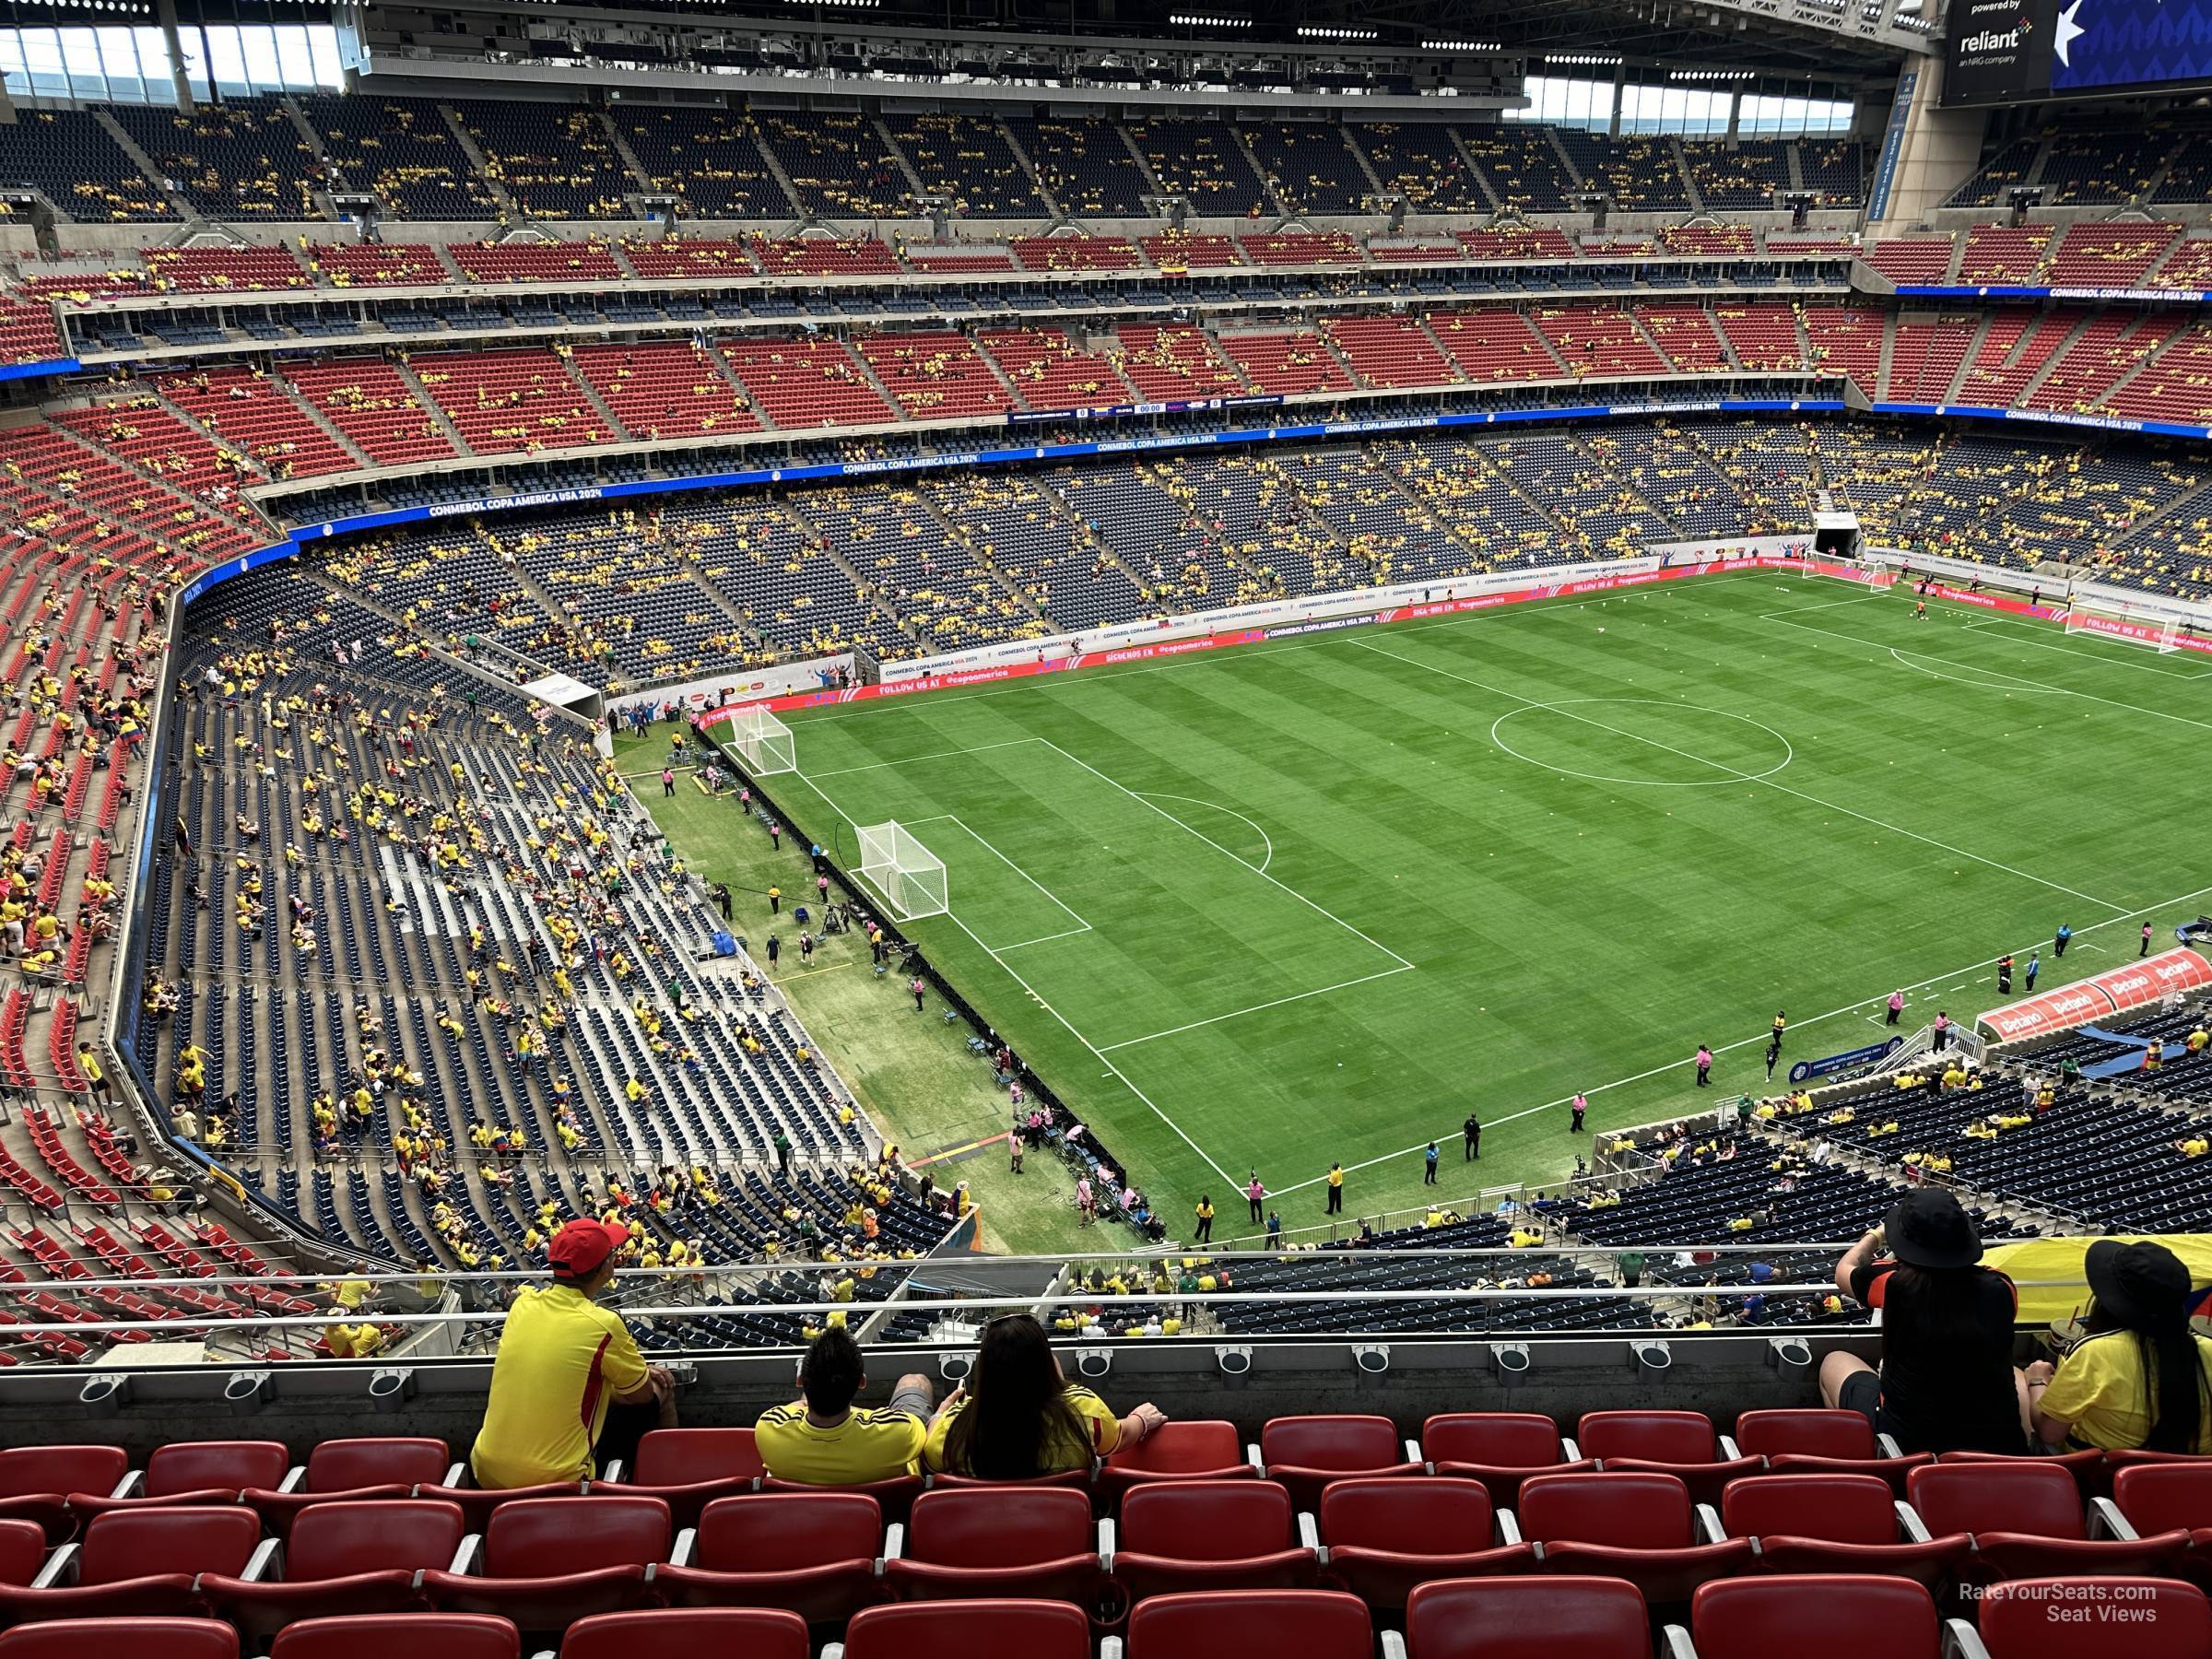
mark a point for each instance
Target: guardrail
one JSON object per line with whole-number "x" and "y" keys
{"x": 1054, "y": 1289}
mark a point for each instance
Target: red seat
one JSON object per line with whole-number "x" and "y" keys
{"x": 1210, "y": 1534}
{"x": 1681, "y": 1443}
{"x": 36, "y": 1481}
{"x": 1833, "y": 1523}
{"x": 354, "y": 1470}
{"x": 688, "y": 1633}
{"x": 1527, "y": 1619}
{"x": 1385, "y": 1537}
{"x": 1810, "y": 1618}
{"x": 2088, "y": 1468}
{"x": 2026, "y": 1516}
{"x": 1822, "y": 1442}
{"x": 984, "y": 1630}
{"x": 1313, "y": 1624}
{"x": 895, "y": 1497}
{"x": 417, "y": 1635}
{"x": 1018, "y": 1543}
{"x": 811, "y": 1553}
{"x": 90, "y": 1638}
{"x": 344, "y": 1559}
{"x": 195, "y": 1472}
{"x": 1501, "y": 1449}
{"x": 2164, "y": 1618}
{"x": 1305, "y": 1454}
{"x": 478, "y": 1504}
{"x": 2164, "y": 1496}
{"x": 1201, "y": 1450}
{"x": 551, "y": 1561}
{"x": 22, "y": 1551}
{"x": 1069, "y": 1480}
{"x": 139, "y": 1564}
{"x": 2136, "y": 1457}
{"x": 1635, "y": 1526}
{"x": 688, "y": 1469}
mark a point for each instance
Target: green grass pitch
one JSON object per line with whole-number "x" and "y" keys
{"x": 1308, "y": 902}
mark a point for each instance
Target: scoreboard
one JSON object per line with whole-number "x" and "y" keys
{"x": 2024, "y": 51}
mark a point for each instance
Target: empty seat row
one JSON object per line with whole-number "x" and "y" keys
{"x": 1565, "y": 1617}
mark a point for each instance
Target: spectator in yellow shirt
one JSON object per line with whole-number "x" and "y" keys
{"x": 2140, "y": 1379}
{"x": 823, "y": 1439}
{"x": 1017, "y": 1418}
{"x": 562, "y": 1360}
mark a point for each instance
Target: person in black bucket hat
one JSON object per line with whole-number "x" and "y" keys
{"x": 1946, "y": 1382}
{"x": 2139, "y": 1378}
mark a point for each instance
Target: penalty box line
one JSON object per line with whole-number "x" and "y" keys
{"x": 1273, "y": 881}
{"x": 1066, "y": 1024}
{"x": 1399, "y": 963}
{"x": 1081, "y": 926}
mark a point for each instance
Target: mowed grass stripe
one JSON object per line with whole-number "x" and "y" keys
{"x": 1565, "y": 933}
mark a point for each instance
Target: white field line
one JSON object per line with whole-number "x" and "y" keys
{"x": 1833, "y": 604}
{"x": 1065, "y": 1023}
{"x": 1081, "y": 926}
{"x": 2020, "y": 680}
{"x": 2094, "y": 657}
{"x": 980, "y": 748}
{"x": 1764, "y": 783}
{"x": 1093, "y": 677}
{"x": 1071, "y": 933}
{"x": 1256, "y": 1007}
{"x": 1267, "y": 841}
{"x": 1684, "y": 1062}
{"x": 1260, "y": 869}
{"x": 1217, "y": 846}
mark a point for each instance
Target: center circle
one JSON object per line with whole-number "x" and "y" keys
{"x": 1676, "y": 745}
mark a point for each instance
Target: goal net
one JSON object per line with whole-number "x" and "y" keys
{"x": 764, "y": 741}
{"x": 909, "y": 877}
{"x": 2130, "y": 624}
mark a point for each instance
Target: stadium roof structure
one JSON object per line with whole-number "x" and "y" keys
{"x": 967, "y": 49}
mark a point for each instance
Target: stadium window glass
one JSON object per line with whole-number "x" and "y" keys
{"x": 1694, "y": 111}
{"x": 295, "y": 60}
{"x": 80, "y": 62}
{"x": 1563, "y": 102}
{"x": 195, "y": 60}
{"x": 226, "y": 62}
{"x": 322, "y": 51}
{"x": 258, "y": 52}
{"x": 119, "y": 59}
{"x": 43, "y": 62}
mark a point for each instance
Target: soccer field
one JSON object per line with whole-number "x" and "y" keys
{"x": 1272, "y": 906}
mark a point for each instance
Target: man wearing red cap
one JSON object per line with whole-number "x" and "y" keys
{"x": 562, "y": 1360}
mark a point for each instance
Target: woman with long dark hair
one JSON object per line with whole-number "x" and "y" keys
{"x": 2139, "y": 1378}
{"x": 1017, "y": 1418}
{"x": 1946, "y": 1382}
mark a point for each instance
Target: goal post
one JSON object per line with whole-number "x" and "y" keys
{"x": 764, "y": 742}
{"x": 909, "y": 877}
{"x": 2127, "y": 622}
